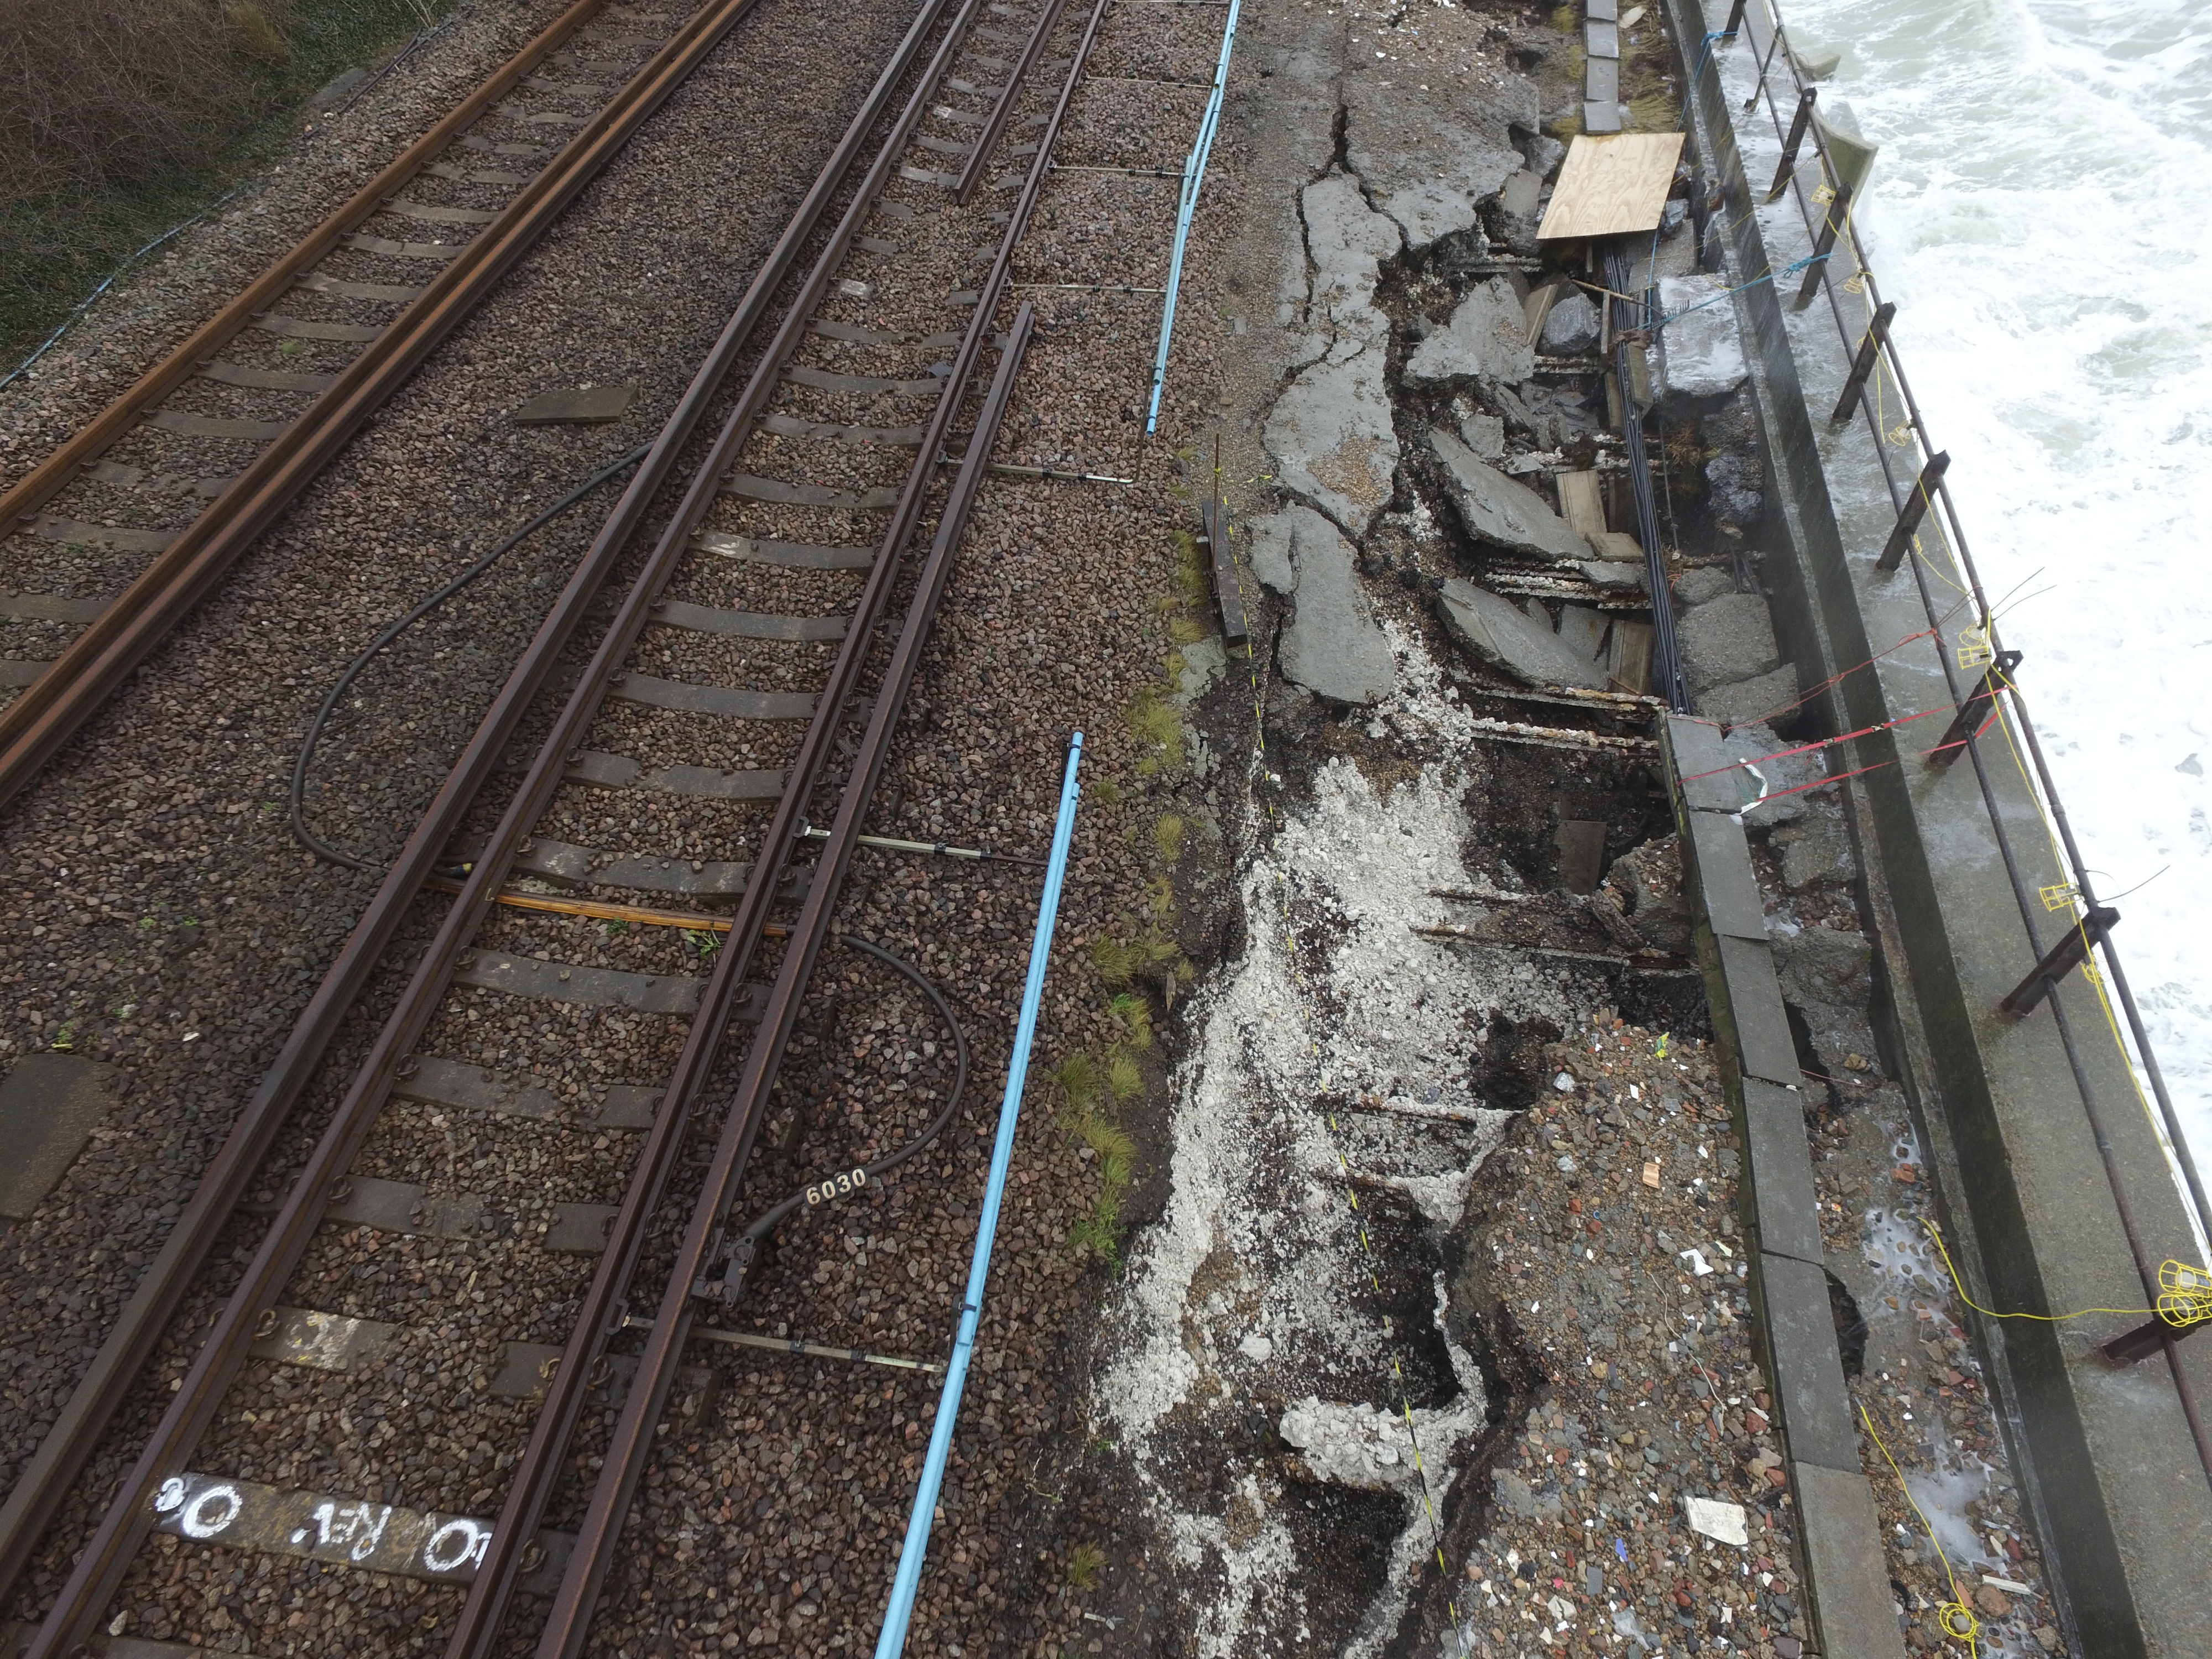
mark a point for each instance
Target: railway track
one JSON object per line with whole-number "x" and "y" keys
{"x": 562, "y": 1029}
{"x": 247, "y": 412}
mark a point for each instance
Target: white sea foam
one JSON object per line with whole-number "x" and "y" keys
{"x": 2042, "y": 214}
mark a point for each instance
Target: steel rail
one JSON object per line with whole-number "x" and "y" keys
{"x": 2192, "y": 1187}
{"x": 632, "y": 1438}
{"x": 603, "y": 1309}
{"x": 35, "y": 488}
{"x": 568, "y": 1622}
{"x": 48, "y": 712}
{"x": 56, "y": 1469}
{"x": 995, "y": 125}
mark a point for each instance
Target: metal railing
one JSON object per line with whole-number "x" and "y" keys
{"x": 1824, "y": 206}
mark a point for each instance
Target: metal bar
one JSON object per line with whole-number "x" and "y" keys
{"x": 1735, "y": 20}
{"x": 2062, "y": 959}
{"x": 35, "y": 488}
{"x": 1909, "y": 515}
{"x": 54, "y": 1472}
{"x": 1863, "y": 366}
{"x": 568, "y": 1621}
{"x": 1803, "y": 119}
{"x": 995, "y": 125}
{"x": 1974, "y": 712}
{"x": 35, "y": 727}
{"x": 1824, "y": 245}
{"x": 890, "y": 1643}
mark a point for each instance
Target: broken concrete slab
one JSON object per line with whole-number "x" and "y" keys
{"x": 1764, "y": 697}
{"x": 1499, "y": 510}
{"x": 1763, "y": 766}
{"x": 1428, "y": 162}
{"x": 1572, "y": 327}
{"x": 1701, "y": 351}
{"x": 1332, "y": 438}
{"x": 1502, "y": 636}
{"x": 1346, "y": 239}
{"x": 1619, "y": 544}
{"x": 1544, "y": 153}
{"x": 1487, "y": 338}
{"x": 1727, "y": 640}
{"x": 1333, "y": 646}
{"x": 1583, "y": 630}
{"x": 1521, "y": 194}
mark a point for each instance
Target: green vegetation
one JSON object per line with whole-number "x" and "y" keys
{"x": 121, "y": 119}
{"x": 1086, "y": 1563}
{"x": 1168, "y": 836}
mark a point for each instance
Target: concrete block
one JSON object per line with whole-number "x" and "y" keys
{"x": 1815, "y": 850}
{"x": 1800, "y": 1336}
{"x": 1764, "y": 1046}
{"x": 1702, "y": 585}
{"x": 1730, "y": 639}
{"x": 1852, "y": 1605}
{"x": 1785, "y": 1209}
{"x": 1701, "y": 349}
{"x": 1602, "y": 84}
{"x": 1759, "y": 698}
{"x": 1602, "y": 39}
{"x": 1603, "y": 11}
{"x": 1572, "y": 327}
{"x": 1695, "y": 745}
{"x": 1726, "y": 887}
{"x": 1600, "y": 118}
{"x": 1824, "y": 964}
{"x": 1581, "y": 855}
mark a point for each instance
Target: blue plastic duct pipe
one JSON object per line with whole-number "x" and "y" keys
{"x": 892, "y": 1642}
{"x": 1193, "y": 175}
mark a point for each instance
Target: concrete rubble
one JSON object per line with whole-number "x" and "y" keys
{"x": 1501, "y": 511}
{"x": 1502, "y": 636}
{"x": 1332, "y": 646}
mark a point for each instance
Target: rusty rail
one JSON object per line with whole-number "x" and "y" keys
{"x": 43, "y": 718}
{"x": 62, "y": 1457}
{"x": 568, "y": 1622}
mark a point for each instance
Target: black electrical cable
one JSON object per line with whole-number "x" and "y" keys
{"x": 306, "y": 837}
{"x": 747, "y": 1249}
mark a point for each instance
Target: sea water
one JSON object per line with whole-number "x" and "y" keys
{"x": 2041, "y": 212}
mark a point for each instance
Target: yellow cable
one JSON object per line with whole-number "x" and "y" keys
{"x": 1955, "y": 1615}
{"x": 2184, "y": 1293}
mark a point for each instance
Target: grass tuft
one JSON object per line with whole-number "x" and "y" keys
{"x": 1081, "y": 1079}
{"x": 1168, "y": 835}
{"x": 1086, "y": 1563}
{"x": 1123, "y": 1075}
{"x": 1135, "y": 1015}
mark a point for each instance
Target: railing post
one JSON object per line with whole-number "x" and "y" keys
{"x": 1972, "y": 712}
{"x": 1916, "y": 504}
{"x": 1735, "y": 20}
{"x": 2130, "y": 1347}
{"x": 1798, "y": 122}
{"x": 1816, "y": 267}
{"x": 1870, "y": 350}
{"x": 2063, "y": 959}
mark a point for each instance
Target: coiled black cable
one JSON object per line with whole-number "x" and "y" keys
{"x": 306, "y": 837}
{"x": 746, "y": 1250}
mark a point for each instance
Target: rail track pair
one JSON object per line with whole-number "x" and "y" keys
{"x": 779, "y": 618}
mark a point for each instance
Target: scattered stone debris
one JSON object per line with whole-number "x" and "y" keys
{"x": 1639, "y": 1499}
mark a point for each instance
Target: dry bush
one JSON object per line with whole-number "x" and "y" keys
{"x": 115, "y": 92}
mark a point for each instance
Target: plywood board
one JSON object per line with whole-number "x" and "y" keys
{"x": 1611, "y": 186}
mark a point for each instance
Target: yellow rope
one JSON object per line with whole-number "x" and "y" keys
{"x": 1955, "y": 1615}
{"x": 2184, "y": 1293}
